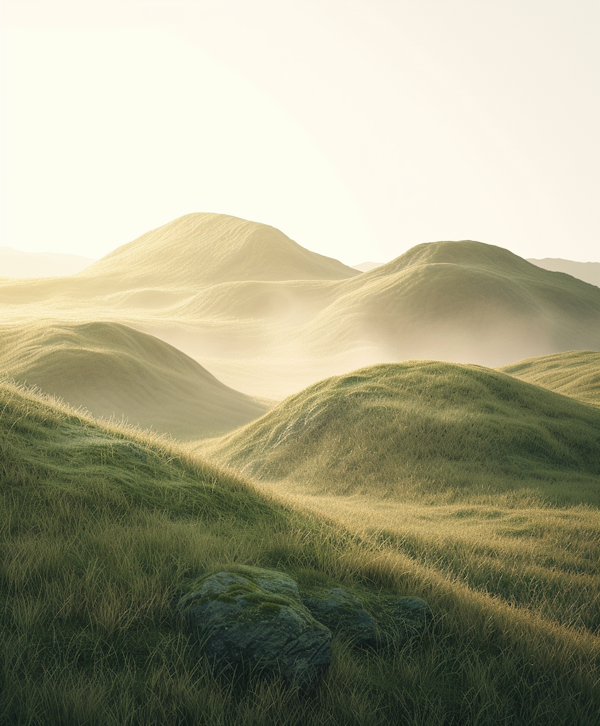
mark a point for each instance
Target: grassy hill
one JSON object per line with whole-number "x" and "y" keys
{"x": 424, "y": 429}
{"x": 270, "y": 317}
{"x": 101, "y": 529}
{"x": 201, "y": 249}
{"x": 575, "y": 373}
{"x": 116, "y": 372}
{"x": 461, "y": 301}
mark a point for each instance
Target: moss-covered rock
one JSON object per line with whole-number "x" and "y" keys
{"x": 252, "y": 619}
{"x": 342, "y": 612}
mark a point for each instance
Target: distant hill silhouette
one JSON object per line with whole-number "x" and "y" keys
{"x": 461, "y": 301}
{"x": 115, "y": 371}
{"x": 586, "y": 271}
{"x": 270, "y": 317}
{"x": 14, "y": 263}
{"x": 208, "y": 249}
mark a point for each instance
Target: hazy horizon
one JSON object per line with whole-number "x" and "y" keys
{"x": 359, "y": 130}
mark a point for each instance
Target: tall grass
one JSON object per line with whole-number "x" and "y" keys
{"x": 102, "y": 527}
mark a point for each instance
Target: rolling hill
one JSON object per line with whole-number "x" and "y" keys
{"x": 208, "y": 249}
{"x": 104, "y": 528}
{"x": 423, "y": 429}
{"x": 270, "y": 317}
{"x": 116, "y": 372}
{"x": 575, "y": 373}
{"x": 464, "y": 302}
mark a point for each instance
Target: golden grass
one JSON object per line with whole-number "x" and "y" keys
{"x": 119, "y": 373}
{"x": 575, "y": 373}
{"x": 424, "y": 431}
{"x": 101, "y": 528}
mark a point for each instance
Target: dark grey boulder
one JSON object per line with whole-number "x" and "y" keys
{"x": 252, "y": 619}
{"x": 342, "y": 612}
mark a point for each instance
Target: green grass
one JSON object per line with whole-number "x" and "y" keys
{"x": 116, "y": 372}
{"x": 425, "y": 431}
{"x": 575, "y": 373}
{"x": 101, "y": 530}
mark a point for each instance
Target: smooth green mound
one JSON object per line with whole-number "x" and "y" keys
{"x": 199, "y": 249}
{"x": 116, "y": 372}
{"x": 424, "y": 428}
{"x": 462, "y": 301}
{"x": 575, "y": 374}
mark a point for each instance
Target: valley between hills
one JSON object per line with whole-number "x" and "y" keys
{"x": 213, "y": 395}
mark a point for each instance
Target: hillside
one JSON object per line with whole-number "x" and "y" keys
{"x": 208, "y": 249}
{"x": 575, "y": 373}
{"x": 460, "y": 301}
{"x": 103, "y": 529}
{"x": 270, "y": 318}
{"x": 423, "y": 429}
{"x": 586, "y": 271}
{"x": 116, "y": 372}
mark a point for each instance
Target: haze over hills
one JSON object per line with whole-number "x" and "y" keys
{"x": 460, "y": 301}
{"x": 575, "y": 373}
{"x": 423, "y": 428}
{"x": 366, "y": 266}
{"x": 586, "y": 271}
{"x": 14, "y": 263}
{"x": 116, "y": 372}
{"x": 270, "y": 317}
{"x": 209, "y": 249}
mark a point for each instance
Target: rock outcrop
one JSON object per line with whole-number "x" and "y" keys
{"x": 255, "y": 620}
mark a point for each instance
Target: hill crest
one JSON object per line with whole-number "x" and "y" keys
{"x": 206, "y": 249}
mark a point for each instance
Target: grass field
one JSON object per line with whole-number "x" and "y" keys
{"x": 102, "y": 527}
{"x": 575, "y": 373}
{"x": 475, "y": 489}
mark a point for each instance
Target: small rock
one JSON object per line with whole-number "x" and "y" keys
{"x": 251, "y": 618}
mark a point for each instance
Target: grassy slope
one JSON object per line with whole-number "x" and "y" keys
{"x": 462, "y": 301}
{"x": 575, "y": 373}
{"x": 100, "y": 529}
{"x": 115, "y": 371}
{"x": 200, "y": 249}
{"x": 424, "y": 429}
{"x": 272, "y": 317}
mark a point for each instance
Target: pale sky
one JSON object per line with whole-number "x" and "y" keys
{"x": 360, "y": 128}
